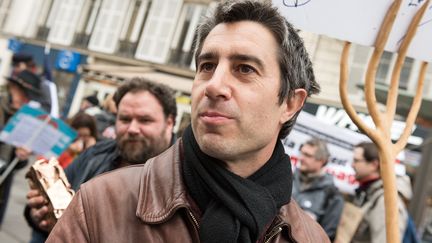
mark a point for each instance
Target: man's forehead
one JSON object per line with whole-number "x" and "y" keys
{"x": 243, "y": 33}
{"x": 358, "y": 151}
{"x": 308, "y": 146}
{"x": 140, "y": 99}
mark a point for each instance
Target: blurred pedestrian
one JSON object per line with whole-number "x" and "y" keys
{"x": 49, "y": 98}
{"x": 144, "y": 128}
{"x": 21, "y": 62}
{"x": 370, "y": 196}
{"x": 314, "y": 189}
{"x": 105, "y": 120}
{"x": 90, "y": 105}
{"x": 427, "y": 234}
{"x": 85, "y": 126}
{"x": 23, "y": 88}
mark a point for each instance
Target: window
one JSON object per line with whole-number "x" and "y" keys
{"x": 384, "y": 68}
{"x": 22, "y": 17}
{"x": 180, "y": 49}
{"x": 360, "y": 58}
{"x": 138, "y": 21}
{"x": 42, "y": 29}
{"x": 427, "y": 92}
{"x": 158, "y": 31}
{"x": 92, "y": 18}
{"x": 86, "y": 23}
{"x": 64, "y": 22}
{"x": 132, "y": 28}
{"x": 4, "y": 11}
{"x": 210, "y": 9}
{"x": 106, "y": 33}
{"x": 405, "y": 76}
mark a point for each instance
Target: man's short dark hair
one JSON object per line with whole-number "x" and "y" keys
{"x": 294, "y": 63}
{"x": 164, "y": 94}
{"x": 322, "y": 152}
{"x": 93, "y": 99}
{"x": 26, "y": 58}
{"x": 370, "y": 151}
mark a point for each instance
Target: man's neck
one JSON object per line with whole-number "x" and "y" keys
{"x": 123, "y": 164}
{"x": 250, "y": 163}
{"x": 365, "y": 181}
{"x": 307, "y": 177}
{"x": 243, "y": 168}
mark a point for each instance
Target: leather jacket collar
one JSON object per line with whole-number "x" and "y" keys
{"x": 165, "y": 186}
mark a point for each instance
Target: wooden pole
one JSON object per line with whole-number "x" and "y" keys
{"x": 383, "y": 120}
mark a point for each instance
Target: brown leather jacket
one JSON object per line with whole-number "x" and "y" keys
{"x": 149, "y": 203}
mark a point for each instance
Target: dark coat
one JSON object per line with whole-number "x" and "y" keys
{"x": 321, "y": 199}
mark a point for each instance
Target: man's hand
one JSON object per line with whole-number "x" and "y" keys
{"x": 77, "y": 146}
{"x": 39, "y": 210}
{"x": 22, "y": 153}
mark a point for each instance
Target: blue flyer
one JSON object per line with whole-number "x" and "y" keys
{"x": 37, "y": 131}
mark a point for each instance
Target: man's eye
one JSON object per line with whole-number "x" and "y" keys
{"x": 124, "y": 119}
{"x": 245, "y": 69}
{"x": 207, "y": 67}
{"x": 145, "y": 120}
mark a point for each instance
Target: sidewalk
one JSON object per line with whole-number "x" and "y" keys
{"x": 15, "y": 228}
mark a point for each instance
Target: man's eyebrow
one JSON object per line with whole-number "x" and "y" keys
{"x": 249, "y": 58}
{"x": 235, "y": 57}
{"x": 206, "y": 56}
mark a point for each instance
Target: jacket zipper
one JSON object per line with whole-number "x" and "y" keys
{"x": 276, "y": 230}
{"x": 195, "y": 225}
{"x": 273, "y": 233}
{"x": 194, "y": 220}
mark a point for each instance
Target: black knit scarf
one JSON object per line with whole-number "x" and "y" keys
{"x": 235, "y": 209}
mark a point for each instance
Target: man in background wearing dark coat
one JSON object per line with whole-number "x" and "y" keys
{"x": 314, "y": 189}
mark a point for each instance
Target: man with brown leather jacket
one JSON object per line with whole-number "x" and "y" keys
{"x": 227, "y": 179}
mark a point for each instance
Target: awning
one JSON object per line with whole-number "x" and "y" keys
{"x": 118, "y": 74}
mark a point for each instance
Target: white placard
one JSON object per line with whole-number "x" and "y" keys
{"x": 359, "y": 21}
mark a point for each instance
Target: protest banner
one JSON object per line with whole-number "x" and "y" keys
{"x": 340, "y": 142}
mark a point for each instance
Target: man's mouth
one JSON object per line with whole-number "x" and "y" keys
{"x": 214, "y": 117}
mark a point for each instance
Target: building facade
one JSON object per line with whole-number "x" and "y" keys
{"x": 160, "y": 34}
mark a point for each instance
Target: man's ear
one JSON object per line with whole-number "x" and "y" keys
{"x": 170, "y": 123}
{"x": 376, "y": 163}
{"x": 293, "y": 104}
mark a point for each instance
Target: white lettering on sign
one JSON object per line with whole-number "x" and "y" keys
{"x": 338, "y": 117}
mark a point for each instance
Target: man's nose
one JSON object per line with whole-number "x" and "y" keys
{"x": 301, "y": 157}
{"x": 133, "y": 127}
{"x": 219, "y": 86}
